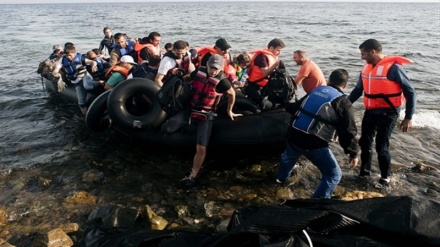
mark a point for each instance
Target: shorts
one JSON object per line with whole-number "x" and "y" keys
{"x": 204, "y": 129}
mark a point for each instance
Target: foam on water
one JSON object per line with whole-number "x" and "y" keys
{"x": 425, "y": 118}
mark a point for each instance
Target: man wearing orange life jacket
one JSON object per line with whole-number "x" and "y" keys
{"x": 263, "y": 63}
{"x": 147, "y": 47}
{"x": 119, "y": 72}
{"x": 385, "y": 86}
{"x": 222, "y": 48}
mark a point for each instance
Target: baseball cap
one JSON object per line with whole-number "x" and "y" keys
{"x": 127, "y": 59}
{"x": 57, "y": 47}
{"x": 223, "y": 44}
{"x": 216, "y": 61}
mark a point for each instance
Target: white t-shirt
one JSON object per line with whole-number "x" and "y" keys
{"x": 168, "y": 63}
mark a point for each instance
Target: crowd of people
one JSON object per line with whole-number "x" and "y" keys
{"x": 212, "y": 71}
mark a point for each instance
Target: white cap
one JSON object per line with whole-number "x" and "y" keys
{"x": 127, "y": 59}
{"x": 57, "y": 47}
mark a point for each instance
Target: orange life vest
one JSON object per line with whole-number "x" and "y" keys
{"x": 154, "y": 50}
{"x": 209, "y": 49}
{"x": 137, "y": 48}
{"x": 255, "y": 73}
{"x": 379, "y": 91}
{"x": 151, "y": 48}
{"x": 117, "y": 68}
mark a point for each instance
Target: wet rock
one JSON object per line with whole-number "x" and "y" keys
{"x": 255, "y": 168}
{"x": 156, "y": 222}
{"x": 92, "y": 176}
{"x": 70, "y": 227}
{"x": 226, "y": 211}
{"x": 236, "y": 189}
{"x": 226, "y": 196}
{"x": 44, "y": 182}
{"x": 210, "y": 208}
{"x": 284, "y": 193}
{"x": 173, "y": 226}
{"x": 359, "y": 195}
{"x": 54, "y": 238}
{"x": 182, "y": 211}
{"x": 4, "y": 214}
{"x": 82, "y": 197}
{"x": 3, "y": 243}
{"x": 250, "y": 196}
{"x": 210, "y": 194}
{"x": 4, "y": 233}
{"x": 189, "y": 220}
{"x": 421, "y": 167}
{"x": 339, "y": 191}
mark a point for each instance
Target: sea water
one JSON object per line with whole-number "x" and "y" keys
{"x": 39, "y": 130}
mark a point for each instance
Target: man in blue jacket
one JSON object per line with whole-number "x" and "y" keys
{"x": 315, "y": 118}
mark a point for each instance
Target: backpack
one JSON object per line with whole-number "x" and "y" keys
{"x": 140, "y": 70}
{"x": 174, "y": 95}
{"x": 47, "y": 66}
{"x": 280, "y": 88}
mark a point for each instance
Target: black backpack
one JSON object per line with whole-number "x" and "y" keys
{"x": 174, "y": 95}
{"x": 280, "y": 88}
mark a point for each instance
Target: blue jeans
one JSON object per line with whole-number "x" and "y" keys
{"x": 81, "y": 94}
{"x": 81, "y": 88}
{"x": 322, "y": 158}
{"x": 377, "y": 126}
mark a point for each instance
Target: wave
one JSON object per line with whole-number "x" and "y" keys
{"x": 425, "y": 119}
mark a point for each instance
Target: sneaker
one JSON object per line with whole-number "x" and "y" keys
{"x": 364, "y": 174}
{"x": 188, "y": 182}
{"x": 382, "y": 183}
{"x": 385, "y": 181}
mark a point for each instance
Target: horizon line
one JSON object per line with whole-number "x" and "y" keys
{"x": 178, "y": 1}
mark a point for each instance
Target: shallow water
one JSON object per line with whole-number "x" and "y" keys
{"x": 47, "y": 153}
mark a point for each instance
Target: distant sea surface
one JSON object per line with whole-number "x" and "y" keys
{"x": 38, "y": 129}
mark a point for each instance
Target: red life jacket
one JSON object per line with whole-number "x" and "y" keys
{"x": 379, "y": 92}
{"x": 205, "y": 96}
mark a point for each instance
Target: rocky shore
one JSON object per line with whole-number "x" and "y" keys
{"x": 53, "y": 204}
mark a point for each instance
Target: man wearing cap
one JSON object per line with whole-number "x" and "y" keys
{"x": 57, "y": 49}
{"x": 119, "y": 72}
{"x": 222, "y": 48}
{"x": 209, "y": 84}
